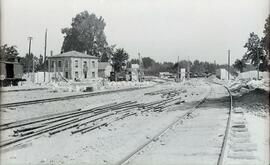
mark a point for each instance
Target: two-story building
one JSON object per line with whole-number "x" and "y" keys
{"x": 73, "y": 65}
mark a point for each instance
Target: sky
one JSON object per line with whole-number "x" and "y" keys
{"x": 160, "y": 29}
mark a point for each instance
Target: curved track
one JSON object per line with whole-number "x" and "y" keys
{"x": 131, "y": 156}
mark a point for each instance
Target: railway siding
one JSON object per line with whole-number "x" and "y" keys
{"x": 199, "y": 136}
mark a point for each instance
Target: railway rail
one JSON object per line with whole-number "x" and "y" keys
{"x": 37, "y": 101}
{"x": 21, "y": 90}
{"x": 80, "y": 121}
{"x": 132, "y": 155}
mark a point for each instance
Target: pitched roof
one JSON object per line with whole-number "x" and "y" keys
{"x": 73, "y": 54}
{"x": 103, "y": 65}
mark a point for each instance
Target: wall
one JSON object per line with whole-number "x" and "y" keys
{"x": 253, "y": 75}
{"x": 79, "y": 69}
{"x": 222, "y": 74}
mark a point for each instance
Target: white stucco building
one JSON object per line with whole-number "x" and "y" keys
{"x": 73, "y": 65}
{"x": 104, "y": 69}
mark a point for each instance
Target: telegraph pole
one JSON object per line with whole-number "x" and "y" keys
{"x": 178, "y": 69}
{"x": 139, "y": 72}
{"x": 29, "y": 52}
{"x": 188, "y": 70}
{"x": 45, "y": 49}
{"x": 258, "y": 66}
{"x": 229, "y": 54}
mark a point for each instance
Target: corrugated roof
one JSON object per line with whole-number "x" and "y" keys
{"x": 102, "y": 65}
{"x": 74, "y": 54}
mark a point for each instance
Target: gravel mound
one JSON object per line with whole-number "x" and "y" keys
{"x": 255, "y": 101}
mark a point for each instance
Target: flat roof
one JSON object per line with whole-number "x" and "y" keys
{"x": 74, "y": 54}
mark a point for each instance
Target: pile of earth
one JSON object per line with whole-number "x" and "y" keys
{"x": 255, "y": 101}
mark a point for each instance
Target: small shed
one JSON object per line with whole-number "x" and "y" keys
{"x": 104, "y": 69}
{"x": 73, "y": 65}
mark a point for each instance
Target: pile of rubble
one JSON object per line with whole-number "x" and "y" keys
{"x": 244, "y": 85}
{"x": 96, "y": 85}
{"x": 253, "y": 95}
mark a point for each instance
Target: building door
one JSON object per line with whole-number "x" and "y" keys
{"x": 76, "y": 75}
{"x": 66, "y": 75}
{"x": 9, "y": 71}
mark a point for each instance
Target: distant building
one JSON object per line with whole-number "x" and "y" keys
{"x": 73, "y": 65}
{"x": 182, "y": 74}
{"x": 104, "y": 69}
{"x": 137, "y": 73}
{"x": 222, "y": 74}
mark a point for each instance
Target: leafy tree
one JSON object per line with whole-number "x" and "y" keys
{"x": 266, "y": 38}
{"x": 147, "y": 62}
{"x": 134, "y": 61}
{"x": 40, "y": 65}
{"x": 8, "y": 53}
{"x": 266, "y": 45}
{"x": 119, "y": 59}
{"x": 182, "y": 64}
{"x": 198, "y": 68}
{"x": 108, "y": 53}
{"x": 254, "y": 49}
{"x": 86, "y": 34}
{"x": 27, "y": 63}
{"x": 239, "y": 65}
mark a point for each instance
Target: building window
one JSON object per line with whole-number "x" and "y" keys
{"x": 76, "y": 63}
{"x": 93, "y": 64}
{"x": 76, "y": 75}
{"x": 52, "y": 64}
{"x": 85, "y": 64}
{"x": 66, "y": 63}
{"x": 59, "y": 64}
{"x": 93, "y": 74}
{"x": 85, "y": 74}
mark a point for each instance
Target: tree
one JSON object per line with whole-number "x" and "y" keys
{"x": 239, "y": 65}
{"x": 147, "y": 62}
{"x": 8, "y": 53}
{"x": 119, "y": 59}
{"x": 86, "y": 34}
{"x": 27, "y": 63}
{"x": 108, "y": 53}
{"x": 134, "y": 61}
{"x": 182, "y": 64}
{"x": 266, "y": 38}
{"x": 266, "y": 44}
{"x": 40, "y": 66}
{"x": 254, "y": 49}
{"x": 198, "y": 68}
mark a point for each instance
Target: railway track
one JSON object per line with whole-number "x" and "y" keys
{"x": 37, "y": 101}
{"x": 21, "y": 90}
{"x": 130, "y": 157}
{"x": 78, "y": 121}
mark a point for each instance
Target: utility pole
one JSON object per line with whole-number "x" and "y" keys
{"x": 178, "y": 69}
{"x": 29, "y": 53}
{"x": 258, "y": 66}
{"x": 45, "y": 49}
{"x": 139, "y": 71}
{"x": 229, "y": 54}
{"x": 188, "y": 70}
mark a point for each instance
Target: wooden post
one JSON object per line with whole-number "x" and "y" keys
{"x": 178, "y": 77}
{"x": 45, "y": 48}
{"x": 229, "y": 64}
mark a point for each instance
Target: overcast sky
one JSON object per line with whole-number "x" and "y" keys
{"x": 160, "y": 29}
